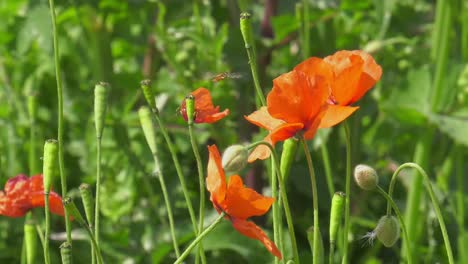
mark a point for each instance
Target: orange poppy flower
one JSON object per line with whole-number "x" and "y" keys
{"x": 23, "y": 194}
{"x": 296, "y": 104}
{"x": 205, "y": 111}
{"x": 237, "y": 201}
{"x": 353, "y": 74}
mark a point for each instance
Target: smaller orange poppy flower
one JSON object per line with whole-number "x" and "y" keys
{"x": 237, "y": 201}
{"x": 23, "y": 194}
{"x": 205, "y": 111}
{"x": 296, "y": 104}
{"x": 352, "y": 74}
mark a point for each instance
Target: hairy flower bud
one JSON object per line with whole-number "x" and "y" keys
{"x": 388, "y": 230}
{"x": 366, "y": 177}
{"x": 235, "y": 158}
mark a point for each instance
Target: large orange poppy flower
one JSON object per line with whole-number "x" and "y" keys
{"x": 352, "y": 74}
{"x": 238, "y": 202}
{"x": 23, "y": 194}
{"x": 296, "y": 104}
{"x": 205, "y": 111}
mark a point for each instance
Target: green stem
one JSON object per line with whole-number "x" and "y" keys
{"x": 306, "y": 39}
{"x": 460, "y": 192}
{"x": 47, "y": 229}
{"x": 283, "y": 197}
{"x": 275, "y": 208}
{"x": 199, "y": 238}
{"x": 402, "y": 222}
{"x": 331, "y": 252}
{"x": 326, "y": 165}
{"x": 167, "y": 201}
{"x": 98, "y": 191}
{"x": 348, "y": 193}
{"x": 63, "y": 178}
{"x": 436, "y": 206}
{"x": 178, "y": 168}
{"x": 314, "y": 198}
{"x": 201, "y": 179}
{"x": 95, "y": 244}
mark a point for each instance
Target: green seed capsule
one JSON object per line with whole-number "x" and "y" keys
{"x": 147, "y": 124}
{"x": 190, "y": 108}
{"x": 310, "y": 237}
{"x": 287, "y": 156}
{"x": 30, "y": 237}
{"x": 66, "y": 253}
{"x": 149, "y": 95}
{"x": 101, "y": 91}
{"x": 73, "y": 210}
{"x": 88, "y": 202}
{"x": 246, "y": 29}
{"x": 388, "y": 230}
{"x": 50, "y": 162}
{"x": 336, "y": 214}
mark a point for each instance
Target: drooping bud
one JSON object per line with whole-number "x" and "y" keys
{"x": 147, "y": 124}
{"x": 50, "y": 162}
{"x": 310, "y": 237}
{"x": 30, "y": 238}
{"x": 235, "y": 158}
{"x": 287, "y": 156}
{"x": 336, "y": 214}
{"x": 366, "y": 177}
{"x": 73, "y": 210}
{"x": 101, "y": 91}
{"x": 388, "y": 230}
{"x": 149, "y": 95}
{"x": 88, "y": 202}
{"x": 246, "y": 29}
{"x": 66, "y": 253}
{"x": 190, "y": 108}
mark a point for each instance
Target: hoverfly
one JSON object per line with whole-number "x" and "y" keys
{"x": 226, "y": 75}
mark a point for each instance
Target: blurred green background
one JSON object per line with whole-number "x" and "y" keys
{"x": 418, "y": 112}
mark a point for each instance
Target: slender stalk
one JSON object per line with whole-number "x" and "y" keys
{"x": 460, "y": 192}
{"x": 98, "y": 190}
{"x": 199, "y": 238}
{"x": 178, "y": 168}
{"x": 201, "y": 179}
{"x": 327, "y": 166}
{"x": 33, "y": 160}
{"x": 284, "y": 197}
{"x": 275, "y": 208}
{"x": 306, "y": 23}
{"x": 58, "y": 76}
{"x": 348, "y": 193}
{"x": 436, "y": 206}
{"x": 402, "y": 222}
{"x": 314, "y": 197}
{"x": 47, "y": 228}
{"x": 246, "y": 30}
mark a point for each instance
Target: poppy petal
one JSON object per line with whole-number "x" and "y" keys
{"x": 263, "y": 119}
{"x": 55, "y": 202}
{"x": 242, "y": 202}
{"x": 215, "y": 180}
{"x": 315, "y": 66}
{"x": 251, "y": 230}
{"x": 335, "y": 114}
{"x": 285, "y": 131}
{"x": 205, "y": 111}
{"x": 209, "y": 117}
{"x": 261, "y": 151}
{"x": 346, "y": 81}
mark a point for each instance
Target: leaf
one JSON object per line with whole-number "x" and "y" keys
{"x": 455, "y": 127}
{"x": 283, "y": 26}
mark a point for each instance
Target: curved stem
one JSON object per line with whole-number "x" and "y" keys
{"x": 199, "y": 238}
{"x": 63, "y": 178}
{"x": 283, "y": 197}
{"x": 47, "y": 229}
{"x": 436, "y": 206}
{"x": 402, "y": 222}
{"x": 201, "y": 179}
{"x": 314, "y": 199}
{"x": 348, "y": 193}
{"x": 178, "y": 168}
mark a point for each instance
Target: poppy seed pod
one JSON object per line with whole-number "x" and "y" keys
{"x": 366, "y": 177}
{"x": 388, "y": 230}
{"x": 190, "y": 108}
{"x": 65, "y": 252}
{"x": 149, "y": 95}
{"x": 235, "y": 158}
{"x": 50, "y": 162}
{"x": 101, "y": 92}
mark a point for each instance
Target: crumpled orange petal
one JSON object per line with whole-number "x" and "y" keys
{"x": 249, "y": 229}
{"x": 242, "y": 202}
{"x": 205, "y": 111}
{"x": 335, "y": 114}
{"x": 263, "y": 119}
{"x": 216, "y": 179}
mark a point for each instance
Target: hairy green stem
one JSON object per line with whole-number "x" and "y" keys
{"x": 402, "y": 222}
{"x": 58, "y": 77}
{"x": 275, "y": 208}
{"x": 201, "y": 179}
{"x": 283, "y": 197}
{"x": 98, "y": 191}
{"x": 348, "y": 193}
{"x": 326, "y": 165}
{"x": 47, "y": 228}
{"x": 199, "y": 238}
{"x": 314, "y": 199}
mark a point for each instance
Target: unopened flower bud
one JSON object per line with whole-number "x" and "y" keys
{"x": 388, "y": 230}
{"x": 235, "y": 158}
{"x": 366, "y": 177}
